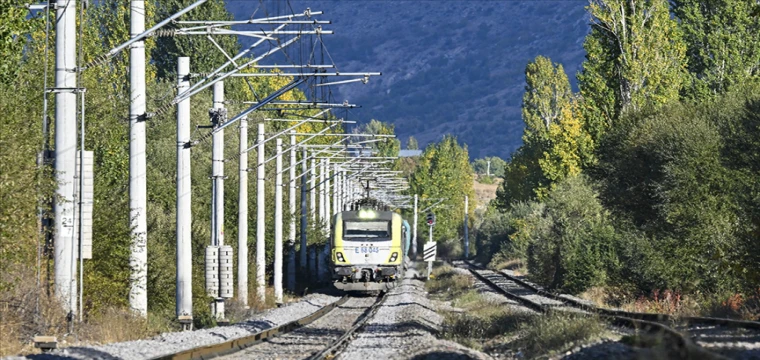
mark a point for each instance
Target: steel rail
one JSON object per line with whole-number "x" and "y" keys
{"x": 332, "y": 350}
{"x": 649, "y": 322}
{"x": 232, "y": 346}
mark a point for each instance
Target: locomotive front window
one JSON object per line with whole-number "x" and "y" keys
{"x": 361, "y": 230}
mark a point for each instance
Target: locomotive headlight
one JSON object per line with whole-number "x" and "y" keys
{"x": 366, "y": 214}
{"x": 339, "y": 255}
{"x": 394, "y": 256}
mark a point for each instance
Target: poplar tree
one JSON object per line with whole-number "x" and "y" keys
{"x": 635, "y": 60}
{"x": 723, "y": 48}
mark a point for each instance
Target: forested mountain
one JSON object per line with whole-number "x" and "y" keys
{"x": 449, "y": 67}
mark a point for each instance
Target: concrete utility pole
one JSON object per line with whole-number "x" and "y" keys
{"x": 326, "y": 189}
{"x": 313, "y": 191}
{"x": 292, "y": 212}
{"x": 414, "y": 231}
{"x": 184, "y": 289}
{"x": 243, "y": 215}
{"x": 278, "y": 224}
{"x": 321, "y": 187}
{"x": 217, "y": 183}
{"x": 65, "y": 151}
{"x": 138, "y": 188}
{"x": 336, "y": 191}
{"x": 488, "y": 168}
{"x": 260, "y": 218}
{"x": 466, "y": 234}
{"x": 304, "y": 215}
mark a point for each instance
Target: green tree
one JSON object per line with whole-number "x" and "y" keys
{"x": 444, "y": 172}
{"x": 15, "y": 29}
{"x": 204, "y": 55}
{"x": 386, "y": 147}
{"x": 412, "y": 144}
{"x": 556, "y": 143}
{"x": 635, "y": 58}
{"x": 481, "y": 166}
{"x": 723, "y": 49}
{"x": 547, "y": 92}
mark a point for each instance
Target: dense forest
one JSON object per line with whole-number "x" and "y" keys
{"x": 646, "y": 179}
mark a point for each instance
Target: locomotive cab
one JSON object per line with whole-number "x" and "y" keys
{"x": 367, "y": 250}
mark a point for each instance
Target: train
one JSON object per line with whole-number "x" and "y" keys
{"x": 368, "y": 249}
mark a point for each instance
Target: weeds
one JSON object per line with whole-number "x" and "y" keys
{"x": 556, "y": 331}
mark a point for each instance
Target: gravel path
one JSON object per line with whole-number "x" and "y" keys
{"x": 169, "y": 343}
{"x": 302, "y": 343}
{"x": 404, "y": 328}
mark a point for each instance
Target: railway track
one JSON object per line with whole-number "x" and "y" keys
{"x": 543, "y": 301}
{"x": 316, "y": 336}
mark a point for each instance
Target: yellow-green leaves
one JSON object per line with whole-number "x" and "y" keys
{"x": 635, "y": 58}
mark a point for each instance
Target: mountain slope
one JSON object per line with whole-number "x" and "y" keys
{"x": 448, "y": 66}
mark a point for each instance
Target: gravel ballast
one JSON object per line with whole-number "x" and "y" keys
{"x": 169, "y": 343}
{"x": 404, "y": 328}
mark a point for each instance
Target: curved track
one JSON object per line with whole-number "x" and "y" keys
{"x": 542, "y": 301}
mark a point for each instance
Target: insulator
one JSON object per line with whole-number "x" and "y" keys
{"x": 164, "y": 33}
{"x": 212, "y": 271}
{"x": 225, "y": 271}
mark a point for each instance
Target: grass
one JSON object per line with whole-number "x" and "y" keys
{"x": 20, "y": 320}
{"x": 483, "y": 324}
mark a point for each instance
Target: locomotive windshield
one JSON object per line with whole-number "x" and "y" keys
{"x": 361, "y": 230}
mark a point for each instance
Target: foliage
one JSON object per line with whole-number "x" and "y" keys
{"x": 444, "y": 174}
{"x": 15, "y": 29}
{"x": 635, "y": 58}
{"x": 723, "y": 50}
{"x": 412, "y": 144}
{"x": 556, "y": 142}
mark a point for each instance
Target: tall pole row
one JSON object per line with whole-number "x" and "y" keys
{"x": 184, "y": 288}
{"x": 312, "y": 191}
{"x": 65, "y": 151}
{"x": 138, "y": 188}
{"x": 260, "y": 217}
{"x": 242, "y": 270}
{"x": 278, "y": 224}
{"x": 292, "y": 212}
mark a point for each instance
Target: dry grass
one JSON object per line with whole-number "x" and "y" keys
{"x": 26, "y": 312}
{"x": 486, "y": 192}
{"x": 448, "y": 283}
{"x": 556, "y": 331}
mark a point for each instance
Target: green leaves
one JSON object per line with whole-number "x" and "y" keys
{"x": 444, "y": 172}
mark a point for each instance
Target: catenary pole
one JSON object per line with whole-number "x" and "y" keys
{"x": 326, "y": 221}
{"x": 304, "y": 217}
{"x": 414, "y": 231}
{"x": 292, "y": 218}
{"x": 260, "y": 217}
{"x": 138, "y": 188}
{"x": 313, "y": 192}
{"x": 466, "y": 230}
{"x": 217, "y": 178}
{"x": 65, "y": 151}
{"x": 243, "y": 215}
{"x": 184, "y": 288}
{"x": 321, "y": 194}
{"x": 278, "y": 224}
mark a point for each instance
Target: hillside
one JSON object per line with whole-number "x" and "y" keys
{"x": 448, "y": 66}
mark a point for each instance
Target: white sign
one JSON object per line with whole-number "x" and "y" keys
{"x": 429, "y": 252}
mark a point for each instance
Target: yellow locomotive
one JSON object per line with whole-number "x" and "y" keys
{"x": 368, "y": 249}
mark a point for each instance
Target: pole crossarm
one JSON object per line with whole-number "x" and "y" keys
{"x": 266, "y": 20}
{"x": 434, "y": 205}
